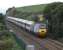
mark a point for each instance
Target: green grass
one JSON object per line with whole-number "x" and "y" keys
{"x": 33, "y": 8}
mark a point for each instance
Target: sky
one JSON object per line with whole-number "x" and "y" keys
{"x": 5, "y": 4}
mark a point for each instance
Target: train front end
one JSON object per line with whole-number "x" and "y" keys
{"x": 42, "y": 32}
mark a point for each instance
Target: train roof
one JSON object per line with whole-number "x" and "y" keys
{"x": 22, "y": 20}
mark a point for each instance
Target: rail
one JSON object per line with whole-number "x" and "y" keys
{"x": 56, "y": 44}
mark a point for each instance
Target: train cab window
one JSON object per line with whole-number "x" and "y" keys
{"x": 43, "y": 26}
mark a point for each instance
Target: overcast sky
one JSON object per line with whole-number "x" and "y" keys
{"x": 5, "y": 4}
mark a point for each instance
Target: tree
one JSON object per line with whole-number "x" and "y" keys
{"x": 54, "y": 13}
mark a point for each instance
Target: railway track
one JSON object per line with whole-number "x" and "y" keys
{"x": 40, "y": 44}
{"x": 57, "y": 45}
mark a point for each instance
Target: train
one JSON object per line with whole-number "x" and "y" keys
{"x": 37, "y": 29}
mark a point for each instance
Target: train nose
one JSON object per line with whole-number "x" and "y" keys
{"x": 42, "y": 33}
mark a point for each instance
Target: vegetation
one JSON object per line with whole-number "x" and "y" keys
{"x": 2, "y": 26}
{"x": 7, "y": 41}
{"x": 55, "y": 19}
{"x": 32, "y": 9}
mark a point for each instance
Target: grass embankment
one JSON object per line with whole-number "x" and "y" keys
{"x": 33, "y": 8}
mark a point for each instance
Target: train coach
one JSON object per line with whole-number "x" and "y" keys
{"x": 38, "y": 29}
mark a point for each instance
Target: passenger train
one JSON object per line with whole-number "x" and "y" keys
{"x": 38, "y": 29}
